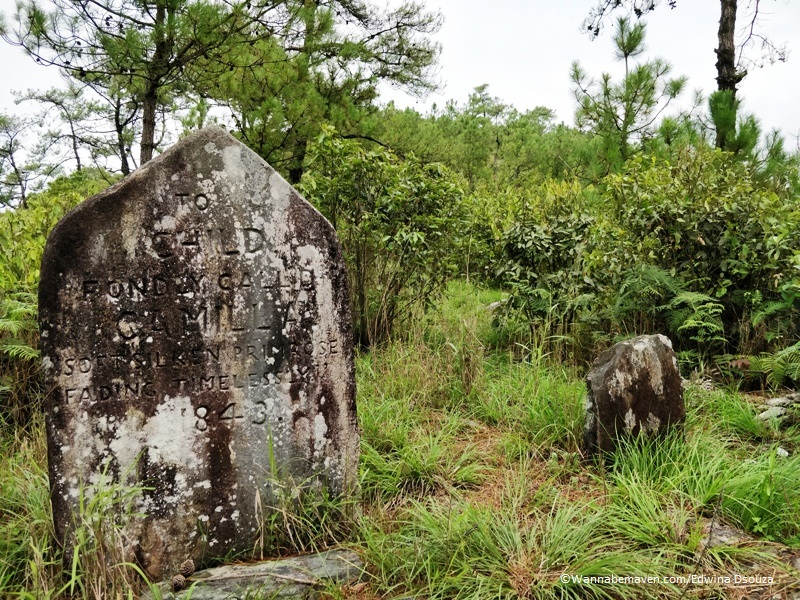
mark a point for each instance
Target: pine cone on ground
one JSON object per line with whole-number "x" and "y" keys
{"x": 178, "y": 583}
{"x": 187, "y": 568}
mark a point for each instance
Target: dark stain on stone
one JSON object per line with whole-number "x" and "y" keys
{"x": 294, "y": 393}
{"x": 330, "y": 411}
{"x": 297, "y": 415}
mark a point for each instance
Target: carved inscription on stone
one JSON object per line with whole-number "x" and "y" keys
{"x": 196, "y": 333}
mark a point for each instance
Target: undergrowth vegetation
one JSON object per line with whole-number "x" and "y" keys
{"x": 688, "y": 246}
{"x": 525, "y": 507}
{"x": 22, "y": 238}
{"x": 473, "y": 485}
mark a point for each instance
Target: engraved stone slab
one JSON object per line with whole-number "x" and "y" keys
{"x": 196, "y": 334}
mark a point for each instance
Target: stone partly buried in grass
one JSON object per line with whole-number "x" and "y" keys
{"x": 300, "y": 577}
{"x": 634, "y": 388}
{"x": 196, "y": 334}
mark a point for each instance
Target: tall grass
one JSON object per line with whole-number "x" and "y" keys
{"x": 473, "y": 486}
{"x": 94, "y": 564}
{"x": 537, "y": 511}
{"x": 26, "y": 563}
{"x": 544, "y": 405}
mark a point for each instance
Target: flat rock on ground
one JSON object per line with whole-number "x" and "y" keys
{"x": 718, "y": 535}
{"x": 780, "y": 408}
{"x": 298, "y": 577}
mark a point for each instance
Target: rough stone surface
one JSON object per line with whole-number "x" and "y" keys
{"x": 772, "y": 413}
{"x": 196, "y": 334}
{"x": 785, "y": 410}
{"x": 717, "y": 535}
{"x": 298, "y": 577}
{"x": 782, "y": 401}
{"x": 634, "y": 388}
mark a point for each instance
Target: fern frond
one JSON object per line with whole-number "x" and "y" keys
{"x": 707, "y": 327}
{"x": 583, "y": 301}
{"x": 11, "y": 326}
{"x": 778, "y": 366}
{"x": 790, "y": 354}
{"x": 676, "y": 318}
{"x": 17, "y": 314}
{"x": 645, "y": 285}
{"x": 769, "y": 309}
{"x": 18, "y": 349}
{"x": 690, "y": 298}
{"x": 698, "y": 315}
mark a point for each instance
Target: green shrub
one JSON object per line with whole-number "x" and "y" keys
{"x": 23, "y": 233}
{"x": 688, "y": 244}
{"x": 704, "y": 219}
{"x": 397, "y": 220}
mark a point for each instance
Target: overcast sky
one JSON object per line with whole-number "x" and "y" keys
{"x": 523, "y": 50}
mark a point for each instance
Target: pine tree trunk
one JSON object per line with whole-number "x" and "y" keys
{"x": 296, "y": 167}
{"x": 119, "y": 127}
{"x": 726, "y": 53}
{"x": 727, "y": 78}
{"x": 310, "y": 25}
{"x": 148, "y": 126}
{"x": 156, "y": 72}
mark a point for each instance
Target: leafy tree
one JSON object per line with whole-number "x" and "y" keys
{"x": 625, "y": 113}
{"x": 529, "y": 146}
{"x": 478, "y": 129}
{"x": 486, "y": 140}
{"x": 138, "y": 50}
{"x": 397, "y": 221}
{"x": 406, "y": 131}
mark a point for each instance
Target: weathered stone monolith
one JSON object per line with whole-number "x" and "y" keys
{"x": 196, "y": 334}
{"x": 634, "y": 388}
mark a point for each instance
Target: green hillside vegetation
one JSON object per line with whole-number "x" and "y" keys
{"x": 473, "y": 486}
{"x": 492, "y": 255}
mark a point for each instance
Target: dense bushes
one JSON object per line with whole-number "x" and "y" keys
{"x": 689, "y": 246}
{"x": 398, "y": 221}
{"x": 23, "y": 233}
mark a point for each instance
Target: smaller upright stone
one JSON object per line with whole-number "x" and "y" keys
{"x": 634, "y": 388}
